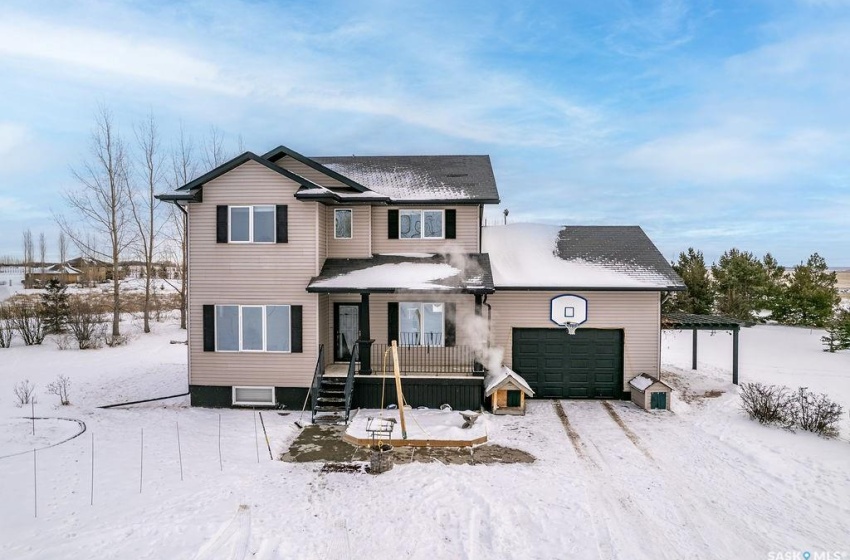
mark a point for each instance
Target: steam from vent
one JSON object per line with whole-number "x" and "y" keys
{"x": 474, "y": 330}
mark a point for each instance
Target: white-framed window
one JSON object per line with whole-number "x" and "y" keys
{"x": 251, "y": 224}
{"x": 343, "y": 221}
{"x": 253, "y": 396}
{"x": 253, "y": 328}
{"x": 421, "y": 324}
{"x": 421, "y": 224}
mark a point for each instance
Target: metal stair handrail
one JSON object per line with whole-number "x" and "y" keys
{"x": 349, "y": 380}
{"x": 317, "y": 381}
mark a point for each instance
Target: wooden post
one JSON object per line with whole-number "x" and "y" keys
{"x": 735, "y": 356}
{"x": 694, "y": 362}
{"x": 399, "y": 394}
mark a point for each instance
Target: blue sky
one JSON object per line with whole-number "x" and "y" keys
{"x": 710, "y": 124}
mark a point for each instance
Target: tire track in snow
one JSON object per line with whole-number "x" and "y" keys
{"x": 637, "y": 529}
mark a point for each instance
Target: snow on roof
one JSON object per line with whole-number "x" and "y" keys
{"x": 408, "y": 275}
{"x": 417, "y": 178}
{"x": 538, "y": 255}
{"x": 497, "y": 379}
{"x": 643, "y": 382}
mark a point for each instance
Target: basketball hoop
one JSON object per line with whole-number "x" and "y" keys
{"x": 569, "y": 311}
{"x": 571, "y": 328}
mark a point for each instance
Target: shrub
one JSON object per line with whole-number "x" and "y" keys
{"x": 27, "y": 319}
{"x": 60, "y": 387}
{"x": 769, "y": 404}
{"x": 816, "y": 413}
{"x": 86, "y": 324}
{"x": 7, "y": 331}
{"x": 24, "y": 393}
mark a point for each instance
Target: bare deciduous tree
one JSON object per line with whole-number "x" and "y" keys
{"x": 144, "y": 205}
{"x": 214, "y": 152}
{"x": 29, "y": 256}
{"x": 63, "y": 254}
{"x": 184, "y": 168}
{"x": 42, "y": 251}
{"x": 102, "y": 203}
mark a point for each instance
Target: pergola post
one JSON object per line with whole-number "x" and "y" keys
{"x": 365, "y": 341}
{"x": 694, "y": 360}
{"x": 735, "y": 355}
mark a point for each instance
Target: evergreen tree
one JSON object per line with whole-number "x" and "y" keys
{"x": 699, "y": 296}
{"x": 811, "y": 295}
{"x": 740, "y": 280}
{"x": 838, "y": 332}
{"x": 774, "y": 288}
{"x": 54, "y": 306}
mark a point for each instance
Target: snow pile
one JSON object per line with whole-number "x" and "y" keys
{"x": 525, "y": 255}
{"x": 432, "y": 425}
{"x": 641, "y": 382}
{"x": 409, "y": 276}
{"x": 494, "y": 379}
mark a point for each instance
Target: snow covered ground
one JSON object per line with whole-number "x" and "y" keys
{"x": 701, "y": 482}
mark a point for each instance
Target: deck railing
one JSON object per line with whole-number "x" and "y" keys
{"x": 425, "y": 359}
{"x": 318, "y": 374}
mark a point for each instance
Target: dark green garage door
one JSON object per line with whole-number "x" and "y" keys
{"x": 588, "y": 364}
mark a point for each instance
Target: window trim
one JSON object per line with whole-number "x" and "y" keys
{"x": 251, "y": 208}
{"x": 351, "y": 224}
{"x": 422, "y": 211}
{"x": 422, "y": 305}
{"x": 252, "y": 403}
{"x": 262, "y": 306}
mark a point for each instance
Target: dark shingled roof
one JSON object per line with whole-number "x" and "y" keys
{"x": 676, "y": 320}
{"x": 421, "y": 179}
{"x": 474, "y": 277}
{"x": 621, "y": 248}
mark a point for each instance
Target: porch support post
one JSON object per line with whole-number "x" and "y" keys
{"x": 735, "y": 355}
{"x": 365, "y": 341}
{"x": 477, "y": 367}
{"x": 694, "y": 363}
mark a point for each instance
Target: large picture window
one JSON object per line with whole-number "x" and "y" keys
{"x": 422, "y": 324}
{"x": 342, "y": 223}
{"x": 253, "y": 328}
{"x": 421, "y": 224}
{"x": 252, "y": 224}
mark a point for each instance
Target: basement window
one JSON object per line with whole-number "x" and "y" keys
{"x": 253, "y": 396}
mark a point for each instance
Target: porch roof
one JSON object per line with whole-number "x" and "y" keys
{"x": 424, "y": 273}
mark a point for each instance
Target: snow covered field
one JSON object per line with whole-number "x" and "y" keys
{"x": 702, "y": 482}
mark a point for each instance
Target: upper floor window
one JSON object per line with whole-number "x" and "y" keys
{"x": 342, "y": 223}
{"x": 253, "y": 328}
{"x": 421, "y": 224}
{"x": 252, "y": 224}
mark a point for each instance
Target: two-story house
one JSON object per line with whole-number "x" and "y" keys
{"x": 302, "y": 271}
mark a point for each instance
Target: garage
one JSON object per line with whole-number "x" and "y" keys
{"x": 588, "y": 364}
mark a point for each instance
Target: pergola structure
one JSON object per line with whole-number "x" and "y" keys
{"x": 688, "y": 321}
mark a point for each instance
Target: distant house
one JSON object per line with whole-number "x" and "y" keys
{"x": 92, "y": 271}
{"x": 63, "y": 272}
{"x": 303, "y": 271}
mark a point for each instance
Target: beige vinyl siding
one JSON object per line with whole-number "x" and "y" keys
{"x": 467, "y": 232}
{"x": 637, "y": 313}
{"x": 222, "y": 273}
{"x": 322, "y": 238}
{"x": 308, "y": 172}
{"x": 358, "y": 247}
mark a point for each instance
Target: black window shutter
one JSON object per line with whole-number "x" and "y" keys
{"x": 209, "y": 326}
{"x": 282, "y": 223}
{"x": 451, "y": 223}
{"x": 392, "y": 321}
{"x": 450, "y": 324}
{"x": 297, "y": 328}
{"x": 392, "y": 224}
{"x": 221, "y": 224}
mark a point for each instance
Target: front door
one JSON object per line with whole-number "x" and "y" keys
{"x": 346, "y": 329}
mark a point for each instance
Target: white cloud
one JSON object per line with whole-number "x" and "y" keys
{"x": 13, "y": 208}
{"x": 133, "y": 55}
